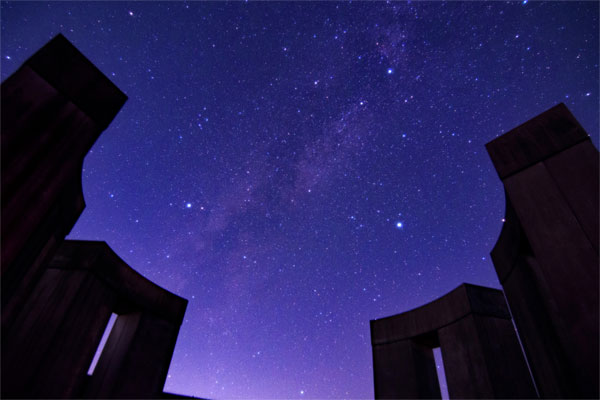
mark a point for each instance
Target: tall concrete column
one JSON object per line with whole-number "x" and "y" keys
{"x": 413, "y": 378}
{"x": 59, "y": 329}
{"x": 136, "y": 358}
{"x": 547, "y": 254}
{"x": 57, "y": 295}
{"x": 480, "y": 350}
{"x": 56, "y": 335}
{"x": 54, "y": 107}
{"x": 479, "y": 353}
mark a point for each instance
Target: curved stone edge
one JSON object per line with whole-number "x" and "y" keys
{"x": 464, "y": 300}
{"x": 131, "y": 286}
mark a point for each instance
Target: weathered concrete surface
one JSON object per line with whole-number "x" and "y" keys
{"x": 547, "y": 254}
{"x": 54, "y": 340}
{"x": 57, "y": 296}
{"x": 480, "y": 350}
{"x": 413, "y": 378}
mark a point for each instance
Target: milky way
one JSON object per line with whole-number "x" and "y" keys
{"x": 269, "y": 151}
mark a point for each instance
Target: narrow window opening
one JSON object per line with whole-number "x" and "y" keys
{"x": 105, "y": 335}
{"x": 439, "y": 367}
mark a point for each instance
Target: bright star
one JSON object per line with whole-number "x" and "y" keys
{"x": 188, "y": 205}
{"x": 399, "y": 225}
{"x": 131, "y": 13}
{"x": 390, "y": 71}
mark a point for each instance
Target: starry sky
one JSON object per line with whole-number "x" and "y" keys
{"x": 297, "y": 169}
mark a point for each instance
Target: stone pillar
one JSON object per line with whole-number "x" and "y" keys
{"x": 56, "y": 336}
{"x": 480, "y": 350}
{"x": 136, "y": 358}
{"x": 482, "y": 357}
{"x": 547, "y": 254}
{"x": 54, "y": 107}
{"x": 57, "y": 296}
{"x": 413, "y": 378}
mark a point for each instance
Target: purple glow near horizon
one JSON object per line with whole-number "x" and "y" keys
{"x": 297, "y": 169}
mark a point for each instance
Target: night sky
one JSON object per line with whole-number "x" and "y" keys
{"x": 297, "y": 169}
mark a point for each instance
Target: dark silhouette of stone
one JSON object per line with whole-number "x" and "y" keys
{"x": 480, "y": 349}
{"x": 546, "y": 255}
{"x": 57, "y": 295}
{"x": 61, "y": 324}
{"x": 54, "y": 107}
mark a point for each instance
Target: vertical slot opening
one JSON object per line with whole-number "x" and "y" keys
{"x": 105, "y": 335}
{"x": 441, "y": 374}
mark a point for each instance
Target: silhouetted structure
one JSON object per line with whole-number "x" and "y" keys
{"x": 54, "y": 107}
{"x": 57, "y": 295}
{"x": 480, "y": 350}
{"x": 547, "y": 261}
{"x": 63, "y": 321}
{"x": 547, "y": 254}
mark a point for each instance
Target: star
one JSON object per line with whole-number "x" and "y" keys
{"x": 327, "y": 150}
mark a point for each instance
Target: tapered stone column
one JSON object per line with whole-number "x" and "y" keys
{"x": 54, "y": 107}
{"x": 480, "y": 350}
{"x": 414, "y": 378}
{"x": 54, "y": 340}
{"x": 547, "y": 254}
{"x": 57, "y": 295}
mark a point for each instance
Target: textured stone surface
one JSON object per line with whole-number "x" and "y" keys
{"x": 54, "y": 107}
{"x": 54, "y": 339}
{"x": 547, "y": 254}
{"x": 57, "y": 295}
{"x": 480, "y": 349}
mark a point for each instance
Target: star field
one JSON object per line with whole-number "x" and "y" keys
{"x": 297, "y": 169}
